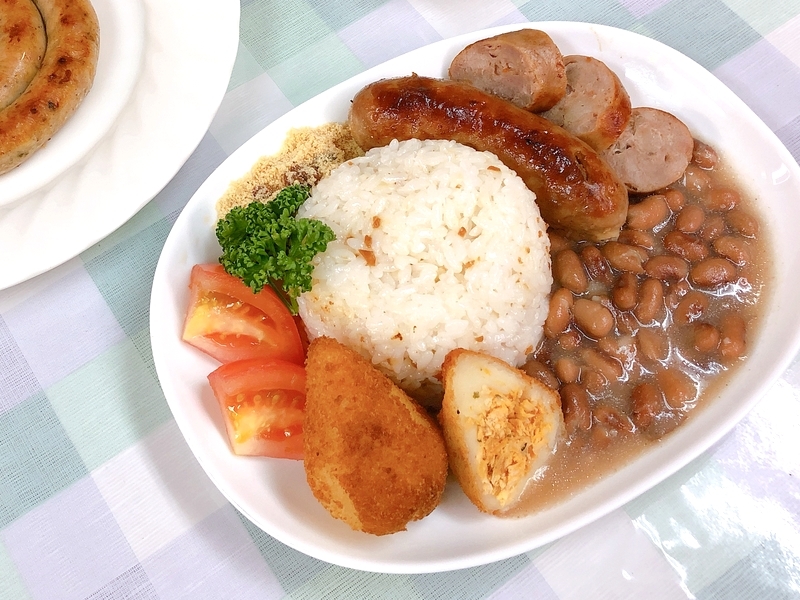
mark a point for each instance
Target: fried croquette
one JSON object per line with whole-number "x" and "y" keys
{"x": 500, "y": 427}
{"x": 373, "y": 457}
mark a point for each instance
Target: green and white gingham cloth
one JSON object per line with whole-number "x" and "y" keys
{"x": 101, "y": 498}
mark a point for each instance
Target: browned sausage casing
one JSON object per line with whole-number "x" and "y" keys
{"x": 22, "y": 46}
{"x": 575, "y": 189}
{"x": 63, "y": 80}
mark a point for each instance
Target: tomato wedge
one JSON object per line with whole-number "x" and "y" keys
{"x": 262, "y": 402}
{"x": 229, "y": 322}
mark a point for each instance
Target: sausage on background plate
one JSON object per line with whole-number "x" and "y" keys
{"x": 23, "y": 43}
{"x": 575, "y": 189}
{"x": 57, "y": 89}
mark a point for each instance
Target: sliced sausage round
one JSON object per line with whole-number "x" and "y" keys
{"x": 596, "y": 107}
{"x": 652, "y": 152}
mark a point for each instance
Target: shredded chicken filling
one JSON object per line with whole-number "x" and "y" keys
{"x": 512, "y": 427}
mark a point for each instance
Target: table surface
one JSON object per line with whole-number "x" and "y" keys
{"x": 99, "y": 495}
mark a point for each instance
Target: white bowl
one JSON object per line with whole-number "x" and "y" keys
{"x": 274, "y": 494}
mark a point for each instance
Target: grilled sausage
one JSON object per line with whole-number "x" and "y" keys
{"x": 575, "y": 189}
{"x": 64, "y": 79}
{"x": 23, "y": 40}
{"x": 524, "y": 67}
{"x": 596, "y": 107}
{"x": 652, "y": 152}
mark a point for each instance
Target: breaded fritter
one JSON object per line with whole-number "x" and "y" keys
{"x": 373, "y": 457}
{"x": 500, "y": 426}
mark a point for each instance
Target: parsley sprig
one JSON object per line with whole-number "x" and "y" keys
{"x": 264, "y": 244}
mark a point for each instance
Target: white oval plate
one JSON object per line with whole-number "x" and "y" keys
{"x": 274, "y": 494}
{"x": 118, "y": 65}
{"x": 182, "y": 80}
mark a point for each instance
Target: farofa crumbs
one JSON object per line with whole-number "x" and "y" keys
{"x": 308, "y": 154}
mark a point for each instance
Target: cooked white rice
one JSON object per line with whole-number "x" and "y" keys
{"x": 461, "y": 259}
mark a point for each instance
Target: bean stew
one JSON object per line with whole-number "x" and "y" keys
{"x": 641, "y": 330}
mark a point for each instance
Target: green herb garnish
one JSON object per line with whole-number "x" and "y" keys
{"x": 264, "y": 244}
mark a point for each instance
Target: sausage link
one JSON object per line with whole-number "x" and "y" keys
{"x": 23, "y": 42}
{"x": 575, "y": 189}
{"x": 523, "y": 66}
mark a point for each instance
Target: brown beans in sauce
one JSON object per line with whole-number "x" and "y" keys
{"x": 651, "y": 301}
{"x": 705, "y": 337}
{"x": 721, "y": 199}
{"x": 568, "y": 271}
{"x": 690, "y": 308}
{"x": 704, "y": 156}
{"x": 596, "y": 265}
{"x": 625, "y": 294}
{"x": 732, "y": 331}
{"x": 734, "y": 248}
{"x": 649, "y": 213}
{"x": 636, "y": 325}
{"x": 652, "y": 344}
{"x": 742, "y": 222}
{"x": 678, "y": 388}
{"x": 625, "y": 257}
{"x": 713, "y": 227}
{"x": 713, "y": 272}
{"x": 686, "y": 246}
{"x": 690, "y": 219}
{"x": 647, "y": 404}
{"x": 666, "y": 268}
{"x": 559, "y": 314}
{"x": 576, "y": 408}
{"x": 696, "y": 179}
{"x": 675, "y": 199}
{"x": 635, "y": 237}
{"x": 591, "y": 317}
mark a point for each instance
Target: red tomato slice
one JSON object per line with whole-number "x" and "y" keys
{"x": 229, "y": 322}
{"x": 262, "y": 402}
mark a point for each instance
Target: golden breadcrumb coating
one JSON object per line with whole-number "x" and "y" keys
{"x": 373, "y": 457}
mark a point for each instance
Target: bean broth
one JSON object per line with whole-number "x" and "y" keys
{"x": 643, "y": 331}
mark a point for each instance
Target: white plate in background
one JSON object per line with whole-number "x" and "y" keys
{"x": 122, "y": 38}
{"x": 189, "y": 50}
{"x": 274, "y": 494}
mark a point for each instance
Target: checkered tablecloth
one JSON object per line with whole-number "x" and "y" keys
{"x": 101, "y": 498}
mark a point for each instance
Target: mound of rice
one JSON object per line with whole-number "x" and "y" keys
{"x": 437, "y": 247}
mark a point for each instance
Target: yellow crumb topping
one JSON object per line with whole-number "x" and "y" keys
{"x": 308, "y": 154}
